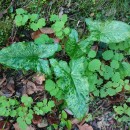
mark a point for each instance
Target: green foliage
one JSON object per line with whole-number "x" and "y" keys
{"x": 97, "y": 64}
{"x": 59, "y": 25}
{"x": 73, "y": 82}
{"x": 31, "y": 59}
{"x": 109, "y": 31}
{"x": 22, "y": 17}
{"x": 42, "y": 39}
{"x": 74, "y": 48}
{"x": 94, "y": 65}
{"x": 122, "y": 113}
{"x": 53, "y": 89}
{"x": 64, "y": 122}
{"x": 24, "y": 112}
{"x": 107, "y": 55}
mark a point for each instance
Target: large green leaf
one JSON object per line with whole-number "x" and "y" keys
{"x": 28, "y": 56}
{"x": 74, "y": 84}
{"x": 74, "y": 48}
{"x": 109, "y": 31}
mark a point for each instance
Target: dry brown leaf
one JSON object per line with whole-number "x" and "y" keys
{"x": 16, "y": 127}
{"x": 30, "y": 88}
{"x": 52, "y": 118}
{"x": 47, "y": 30}
{"x": 85, "y": 127}
{"x": 2, "y": 80}
{"x": 75, "y": 121}
{"x": 36, "y": 34}
{"x": 4, "y": 125}
{"x": 39, "y": 78}
{"x": 10, "y": 86}
{"x": 8, "y": 89}
{"x": 36, "y": 119}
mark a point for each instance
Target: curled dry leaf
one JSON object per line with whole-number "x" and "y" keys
{"x": 8, "y": 89}
{"x": 39, "y": 78}
{"x": 36, "y": 119}
{"x": 5, "y": 125}
{"x": 85, "y": 127}
{"x": 32, "y": 87}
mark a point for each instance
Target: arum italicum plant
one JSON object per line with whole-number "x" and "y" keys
{"x": 87, "y": 68}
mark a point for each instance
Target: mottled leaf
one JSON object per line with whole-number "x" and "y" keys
{"x": 73, "y": 83}
{"x": 109, "y": 31}
{"x": 28, "y": 56}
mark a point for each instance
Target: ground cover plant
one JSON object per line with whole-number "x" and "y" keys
{"x": 74, "y": 72}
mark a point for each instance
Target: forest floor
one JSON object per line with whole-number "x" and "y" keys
{"x": 15, "y": 83}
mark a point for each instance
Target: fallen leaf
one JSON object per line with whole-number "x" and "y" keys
{"x": 52, "y": 118}
{"x": 30, "y": 127}
{"x": 39, "y": 78}
{"x": 4, "y": 125}
{"x": 36, "y": 34}
{"x": 43, "y": 124}
{"x": 75, "y": 121}
{"x": 2, "y": 81}
{"x": 36, "y": 119}
{"x": 30, "y": 88}
{"x": 47, "y": 30}
{"x": 16, "y": 127}
{"x": 85, "y": 127}
{"x": 8, "y": 89}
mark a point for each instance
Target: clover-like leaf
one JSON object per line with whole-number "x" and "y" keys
{"x": 28, "y": 56}
{"x": 94, "y": 65}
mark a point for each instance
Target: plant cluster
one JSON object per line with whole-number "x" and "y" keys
{"x": 122, "y": 113}
{"x": 24, "y": 110}
{"x": 59, "y": 25}
{"x": 97, "y": 64}
{"x": 22, "y": 17}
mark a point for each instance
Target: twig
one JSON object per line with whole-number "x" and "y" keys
{"x": 5, "y": 11}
